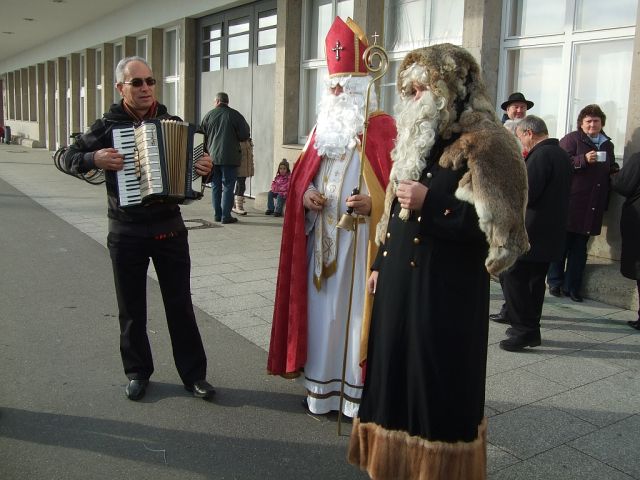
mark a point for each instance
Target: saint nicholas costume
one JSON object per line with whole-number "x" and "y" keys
{"x": 312, "y": 293}
{"x": 422, "y": 410}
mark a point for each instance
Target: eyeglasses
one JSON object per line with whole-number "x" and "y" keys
{"x": 137, "y": 82}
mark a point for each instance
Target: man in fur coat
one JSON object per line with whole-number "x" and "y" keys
{"x": 315, "y": 271}
{"x": 455, "y": 214}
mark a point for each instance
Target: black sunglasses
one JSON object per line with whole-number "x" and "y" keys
{"x": 137, "y": 82}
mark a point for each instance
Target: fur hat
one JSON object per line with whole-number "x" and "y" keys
{"x": 453, "y": 74}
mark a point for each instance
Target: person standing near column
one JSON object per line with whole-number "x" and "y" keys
{"x": 224, "y": 129}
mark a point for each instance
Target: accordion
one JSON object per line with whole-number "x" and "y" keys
{"x": 159, "y": 161}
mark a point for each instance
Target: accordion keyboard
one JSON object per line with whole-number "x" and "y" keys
{"x": 128, "y": 185}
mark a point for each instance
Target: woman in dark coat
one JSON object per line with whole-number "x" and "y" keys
{"x": 593, "y": 160}
{"x": 627, "y": 184}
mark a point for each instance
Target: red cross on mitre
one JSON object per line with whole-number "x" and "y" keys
{"x": 344, "y": 46}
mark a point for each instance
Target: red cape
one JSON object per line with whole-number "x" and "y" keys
{"x": 288, "y": 347}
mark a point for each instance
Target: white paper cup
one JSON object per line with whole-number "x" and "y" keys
{"x": 601, "y": 156}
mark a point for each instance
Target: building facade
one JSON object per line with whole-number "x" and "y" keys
{"x": 269, "y": 56}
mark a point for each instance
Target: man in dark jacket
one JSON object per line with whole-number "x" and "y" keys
{"x": 224, "y": 129}
{"x": 137, "y": 233}
{"x": 549, "y": 177}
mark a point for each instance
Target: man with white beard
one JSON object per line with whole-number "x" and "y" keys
{"x": 457, "y": 179}
{"x": 314, "y": 276}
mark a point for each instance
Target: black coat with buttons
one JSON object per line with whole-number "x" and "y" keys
{"x": 627, "y": 184}
{"x": 589, "y": 183}
{"x": 428, "y": 337}
{"x": 549, "y": 177}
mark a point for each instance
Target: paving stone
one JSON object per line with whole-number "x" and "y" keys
{"x": 498, "y": 459}
{"x": 615, "y": 445}
{"x": 563, "y": 463}
{"x": 603, "y": 402}
{"x": 510, "y": 390}
{"x": 573, "y": 370}
{"x": 533, "y": 429}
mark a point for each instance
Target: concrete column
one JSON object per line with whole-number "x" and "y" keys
{"x": 32, "y": 94}
{"x": 51, "y": 104}
{"x": 632, "y": 137}
{"x": 481, "y": 36}
{"x": 154, "y": 56}
{"x": 74, "y": 92}
{"x": 61, "y": 104}
{"x": 24, "y": 94}
{"x": 187, "y": 70}
{"x": 287, "y": 80}
{"x": 107, "y": 76}
{"x": 11, "y": 96}
{"x": 369, "y": 14}
{"x": 129, "y": 46}
{"x": 89, "y": 85}
{"x": 41, "y": 113}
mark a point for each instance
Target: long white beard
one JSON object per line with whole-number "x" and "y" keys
{"x": 340, "y": 119}
{"x": 417, "y": 122}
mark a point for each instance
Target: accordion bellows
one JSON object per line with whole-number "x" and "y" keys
{"x": 159, "y": 159}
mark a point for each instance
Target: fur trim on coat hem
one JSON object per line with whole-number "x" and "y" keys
{"x": 393, "y": 454}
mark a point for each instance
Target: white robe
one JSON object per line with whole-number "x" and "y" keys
{"x": 327, "y": 314}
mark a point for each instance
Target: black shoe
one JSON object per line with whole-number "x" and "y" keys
{"x": 498, "y": 318}
{"x": 517, "y": 343}
{"x": 555, "y": 291}
{"x": 511, "y": 332}
{"x": 635, "y": 324}
{"x": 269, "y": 212}
{"x": 576, "y": 297}
{"x": 277, "y": 214}
{"x": 201, "y": 389}
{"x": 136, "y": 389}
{"x": 217, "y": 219}
{"x": 229, "y": 220}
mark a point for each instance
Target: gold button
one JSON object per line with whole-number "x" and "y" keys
{"x": 416, "y": 241}
{"x": 413, "y": 264}
{"x": 384, "y": 254}
{"x": 388, "y": 235}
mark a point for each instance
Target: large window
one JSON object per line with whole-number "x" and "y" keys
{"x": 411, "y": 24}
{"x": 565, "y": 54}
{"x": 171, "y": 79}
{"x": 141, "y": 46}
{"x": 238, "y": 43}
{"x": 318, "y": 17}
{"x": 267, "y": 30}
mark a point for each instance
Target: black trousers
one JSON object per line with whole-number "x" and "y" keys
{"x": 170, "y": 254}
{"x": 523, "y": 286}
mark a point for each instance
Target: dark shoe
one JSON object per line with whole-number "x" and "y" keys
{"x": 277, "y": 214}
{"x": 517, "y": 343}
{"x": 555, "y": 291}
{"x": 576, "y": 297}
{"x": 269, "y": 212}
{"x": 201, "y": 389}
{"x": 498, "y": 318}
{"x": 229, "y": 220}
{"x": 136, "y": 389}
{"x": 217, "y": 219}
{"x": 635, "y": 324}
{"x": 511, "y": 332}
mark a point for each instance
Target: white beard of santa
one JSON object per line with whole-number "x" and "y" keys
{"x": 341, "y": 117}
{"x": 417, "y": 122}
